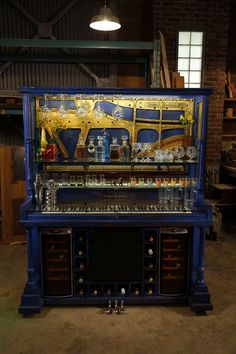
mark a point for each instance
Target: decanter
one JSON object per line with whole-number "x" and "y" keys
{"x": 91, "y": 149}
{"x": 80, "y": 151}
{"x": 114, "y": 150}
{"x": 100, "y": 150}
{"x": 124, "y": 149}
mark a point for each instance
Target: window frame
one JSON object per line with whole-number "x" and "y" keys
{"x": 192, "y": 30}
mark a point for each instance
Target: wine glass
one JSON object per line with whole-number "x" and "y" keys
{"x": 148, "y": 152}
{"x": 191, "y": 153}
{"x": 143, "y": 148}
{"x": 44, "y": 109}
{"x": 98, "y": 111}
{"x": 62, "y": 110}
{"x": 136, "y": 148}
{"x": 179, "y": 152}
{"x": 118, "y": 111}
{"x": 159, "y": 155}
{"x": 82, "y": 109}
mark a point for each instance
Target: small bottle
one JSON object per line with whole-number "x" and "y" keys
{"x": 114, "y": 150}
{"x": 100, "y": 150}
{"x": 91, "y": 149}
{"x": 80, "y": 152}
{"x": 124, "y": 149}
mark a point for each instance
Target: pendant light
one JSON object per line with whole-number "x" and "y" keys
{"x": 105, "y": 20}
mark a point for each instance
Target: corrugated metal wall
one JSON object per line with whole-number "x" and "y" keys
{"x": 22, "y": 19}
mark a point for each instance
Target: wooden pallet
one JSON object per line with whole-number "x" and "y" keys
{"x": 12, "y": 186}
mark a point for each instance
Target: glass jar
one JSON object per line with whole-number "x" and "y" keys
{"x": 91, "y": 149}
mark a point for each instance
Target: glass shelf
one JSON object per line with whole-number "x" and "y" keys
{"x": 73, "y": 162}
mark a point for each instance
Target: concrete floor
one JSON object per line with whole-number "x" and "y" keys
{"x": 144, "y": 330}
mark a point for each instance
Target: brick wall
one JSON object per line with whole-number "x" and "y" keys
{"x": 212, "y": 17}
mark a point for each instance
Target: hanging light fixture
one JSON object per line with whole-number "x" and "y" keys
{"x": 105, "y": 20}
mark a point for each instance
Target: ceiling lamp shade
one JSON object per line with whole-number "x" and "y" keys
{"x": 105, "y": 20}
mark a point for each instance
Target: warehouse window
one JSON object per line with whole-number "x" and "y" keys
{"x": 190, "y": 48}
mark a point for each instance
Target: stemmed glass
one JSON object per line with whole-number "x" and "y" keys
{"x": 82, "y": 109}
{"x": 62, "y": 111}
{"x": 118, "y": 111}
{"x": 149, "y": 151}
{"x": 191, "y": 153}
{"x": 179, "y": 152}
{"x": 143, "y": 148}
{"x": 98, "y": 111}
{"x": 136, "y": 148}
{"x": 44, "y": 108}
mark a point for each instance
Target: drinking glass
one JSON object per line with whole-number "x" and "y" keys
{"x": 168, "y": 156}
{"x": 62, "y": 110}
{"x": 143, "y": 149}
{"x": 191, "y": 152}
{"x": 159, "y": 155}
{"x": 149, "y": 151}
{"x": 179, "y": 152}
{"x": 82, "y": 109}
{"x": 118, "y": 111}
{"x": 44, "y": 109}
{"x": 98, "y": 111}
{"x": 136, "y": 148}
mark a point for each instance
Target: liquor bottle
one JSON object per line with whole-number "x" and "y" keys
{"x": 43, "y": 141}
{"x": 91, "y": 149}
{"x": 106, "y": 144}
{"x": 124, "y": 149}
{"x": 80, "y": 151}
{"x": 43, "y": 145}
{"x": 114, "y": 150}
{"x": 100, "y": 150}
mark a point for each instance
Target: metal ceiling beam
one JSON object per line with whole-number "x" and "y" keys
{"x": 59, "y": 43}
{"x": 71, "y": 59}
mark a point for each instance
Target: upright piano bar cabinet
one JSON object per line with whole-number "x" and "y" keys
{"x": 115, "y": 209}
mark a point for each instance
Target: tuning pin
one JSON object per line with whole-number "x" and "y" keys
{"x": 116, "y": 308}
{"x": 108, "y": 311}
{"x": 122, "y": 308}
